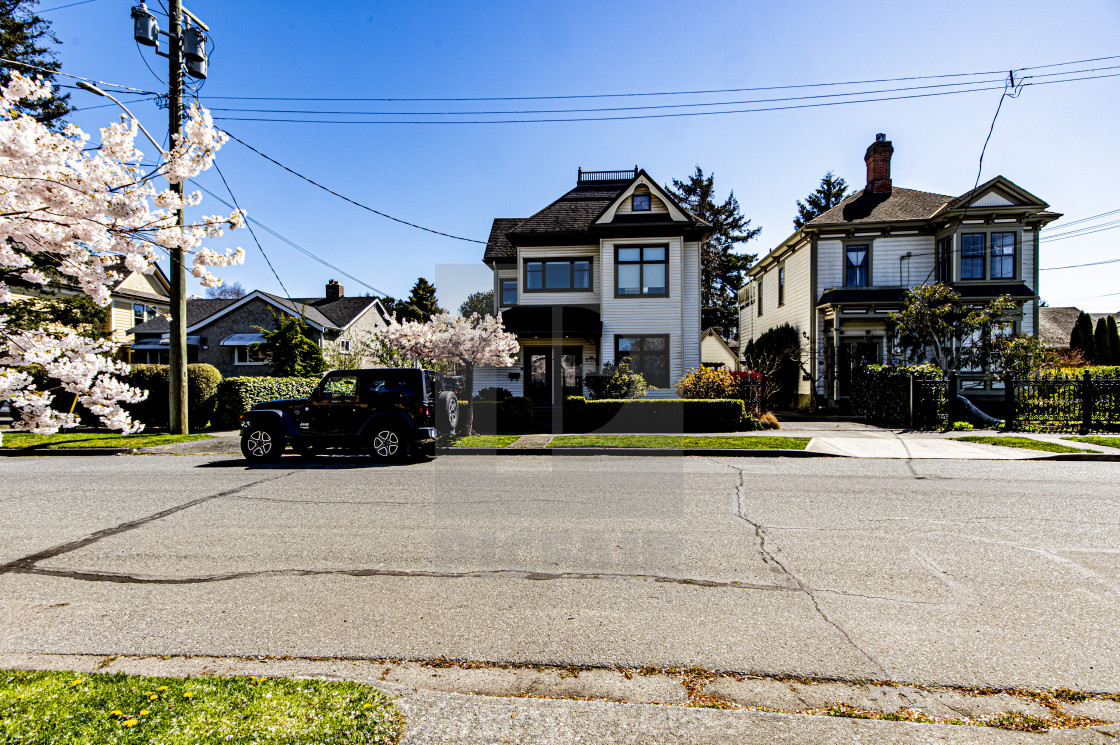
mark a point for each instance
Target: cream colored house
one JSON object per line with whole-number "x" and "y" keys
{"x": 838, "y": 278}
{"x": 716, "y": 352}
{"x": 609, "y": 271}
{"x": 136, "y": 298}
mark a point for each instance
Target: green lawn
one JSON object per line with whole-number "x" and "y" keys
{"x": 41, "y": 708}
{"x": 1108, "y": 442}
{"x": 485, "y": 441}
{"x": 679, "y": 442}
{"x": 1026, "y": 443}
{"x": 94, "y": 440}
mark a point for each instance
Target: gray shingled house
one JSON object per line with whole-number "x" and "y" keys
{"x": 837, "y": 278}
{"x": 220, "y": 332}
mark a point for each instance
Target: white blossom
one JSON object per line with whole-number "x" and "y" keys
{"x": 87, "y": 208}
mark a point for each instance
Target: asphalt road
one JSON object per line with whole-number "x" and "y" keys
{"x": 956, "y": 572}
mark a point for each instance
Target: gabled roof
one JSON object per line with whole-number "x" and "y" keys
{"x": 498, "y": 247}
{"x": 318, "y": 312}
{"x": 575, "y": 211}
{"x": 999, "y": 184}
{"x": 898, "y": 204}
{"x": 198, "y": 310}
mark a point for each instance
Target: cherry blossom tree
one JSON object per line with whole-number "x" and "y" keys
{"x": 83, "y": 208}
{"x": 467, "y": 341}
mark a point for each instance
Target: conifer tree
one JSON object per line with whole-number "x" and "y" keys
{"x": 27, "y": 38}
{"x": 1100, "y": 343}
{"x": 1082, "y": 339}
{"x": 1113, "y": 342}
{"x": 830, "y": 193}
{"x": 421, "y": 303}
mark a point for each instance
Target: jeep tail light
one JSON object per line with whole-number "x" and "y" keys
{"x": 425, "y": 409}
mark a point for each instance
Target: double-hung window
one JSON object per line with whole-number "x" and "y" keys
{"x": 509, "y": 292}
{"x": 782, "y": 285}
{"x": 642, "y": 271}
{"x": 142, "y": 313}
{"x": 551, "y": 275}
{"x": 760, "y": 296}
{"x": 972, "y": 255}
{"x": 857, "y": 263}
{"x": 1003, "y": 256}
{"x": 648, "y": 355}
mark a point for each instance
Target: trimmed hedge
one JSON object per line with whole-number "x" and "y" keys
{"x": 238, "y": 395}
{"x": 154, "y": 411}
{"x": 654, "y": 415}
{"x": 881, "y": 393}
{"x": 514, "y": 414}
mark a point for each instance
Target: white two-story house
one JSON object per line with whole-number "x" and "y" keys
{"x": 609, "y": 271}
{"x": 837, "y": 278}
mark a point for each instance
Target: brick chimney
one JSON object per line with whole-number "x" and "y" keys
{"x": 334, "y": 290}
{"x": 878, "y": 160}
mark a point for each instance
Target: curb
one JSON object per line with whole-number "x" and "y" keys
{"x": 17, "y": 452}
{"x": 1106, "y": 457}
{"x": 734, "y": 452}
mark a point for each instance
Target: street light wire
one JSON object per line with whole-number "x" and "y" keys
{"x": 76, "y": 77}
{"x": 348, "y": 199}
{"x": 253, "y": 233}
{"x": 68, "y": 5}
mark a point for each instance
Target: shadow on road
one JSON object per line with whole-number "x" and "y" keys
{"x": 299, "y": 464}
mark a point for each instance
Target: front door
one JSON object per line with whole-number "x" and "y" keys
{"x": 538, "y": 375}
{"x": 570, "y": 372}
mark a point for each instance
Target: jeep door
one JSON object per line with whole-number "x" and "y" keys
{"x": 332, "y": 411}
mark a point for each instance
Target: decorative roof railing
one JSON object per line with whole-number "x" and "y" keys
{"x": 587, "y": 177}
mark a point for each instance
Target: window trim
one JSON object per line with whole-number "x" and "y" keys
{"x": 502, "y": 291}
{"x": 634, "y": 203}
{"x": 1015, "y": 248}
{"x": 641, "y": 271}
{"x": 870, "y": 253}
{"x": 247, "y": 363}
{"x": 668, "y": 352}
{"x": 759, "y": 296}
{"x": 983, "y": 258}
{"x": 781, "y": 284}
{"x": 988, "y": 231}
{"x": 571, "y": 261}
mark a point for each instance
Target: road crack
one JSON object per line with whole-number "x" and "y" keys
{"x": 771, "y": 559}
{"x": 27, "y": 563}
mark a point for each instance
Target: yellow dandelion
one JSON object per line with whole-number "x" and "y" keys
{"x": 162, "y": 688}
{"x": 116, "y": 713}
{"x": 188, "y": 694}
{"x": 153, "y": 697}
{"x": 131, "y": 723}
{"x": 366, "y": 706}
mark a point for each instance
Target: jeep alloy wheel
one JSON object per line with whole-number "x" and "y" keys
{"x": 386, "y": 444}
{"x": 260, "y": 444}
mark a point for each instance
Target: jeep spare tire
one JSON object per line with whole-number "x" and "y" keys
{"x": 447, "y": 412}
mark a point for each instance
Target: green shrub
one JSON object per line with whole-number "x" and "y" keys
{"x": 616, "y": 381}
{"x": 492, "y": 393}
{"x": 777, "y": 353}
{"x": 238, "y": 395}
{"x": 653, "y": 415}
{"x": 881, "y": 393}
{"x": 513, "y": 414}
{"x": 154, "y": 411}
{"x": 960, "y": 427}
{"x": 707, "y": 382}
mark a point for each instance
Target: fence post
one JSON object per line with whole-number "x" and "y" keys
{"x": 912, "y": 423}
{"x": 1086, "y": 403}
{"x": 951, "y": 398}
{"x": 1009, "y": 400}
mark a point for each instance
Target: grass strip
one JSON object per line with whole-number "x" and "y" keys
{"x": 94, "y": 440}
{"x": 1024, "y": 443}
{"x": 1108, "y": 442}
{"x": 680, "y": 442}
{"x": 485, "y": 441}
{"x": 37, "y": 708}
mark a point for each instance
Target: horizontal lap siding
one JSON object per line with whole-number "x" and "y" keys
{"x": 830, "y": 264}
{"x": 798, "y": 305}
{"x": 889, "y": 270}
{"x": 648, "y": 316}
{"x": 488, "y": 376}
{"x": 1030, "y": 257}
{"x": 559, "y": 298}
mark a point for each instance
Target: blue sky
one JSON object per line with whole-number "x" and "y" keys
{"x": 1057, "y": 141}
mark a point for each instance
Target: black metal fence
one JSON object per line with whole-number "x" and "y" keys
{"x": 1044, "y": 403}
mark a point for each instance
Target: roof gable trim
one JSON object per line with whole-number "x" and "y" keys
{"x": 676, "y": 213}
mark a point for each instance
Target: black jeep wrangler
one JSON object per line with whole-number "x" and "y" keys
{"x": 390, "y": 413}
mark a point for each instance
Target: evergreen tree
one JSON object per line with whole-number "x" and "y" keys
{"x": 1100, "y": 343}
{"x": 27, "y": 38}
{"x": 421, "y": 304}
{"x": 290, "y": 349}
{"x": 721, "y": 266}
{"x": 830, "y": 193}
{"x": 1082, "y": 337}
{"x": 1113, "y": 342}
{"x": 481, "y": 303}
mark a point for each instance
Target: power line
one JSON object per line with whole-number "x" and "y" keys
{"x": 629, "y": 117}
{"x": 1078, "y": 266}
{"x": 76, "y": 77}
{"x": 1078, "y": 232}
{"x": 348, "y": 199}
{"x": 667, "y": 93}
{"x": 253, "y": 233}
{"x": 1083, "y": 219}
{"x": 291, "y": 243}
{"x": 68, "y": 5}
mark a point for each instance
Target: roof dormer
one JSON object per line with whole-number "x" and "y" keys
{"x": 643, "y": 197}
